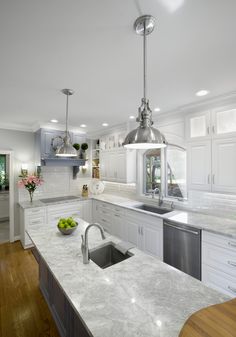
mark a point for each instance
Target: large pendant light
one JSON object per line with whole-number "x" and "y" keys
{"x": 66, "y": 149}
{"x": 145, "y": 136}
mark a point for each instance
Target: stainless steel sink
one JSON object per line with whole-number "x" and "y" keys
{"x": 108, "y": 255}
{"x": 153, "y": 209}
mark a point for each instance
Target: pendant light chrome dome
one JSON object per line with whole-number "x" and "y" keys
{"x": 145, "y": 136}
{"x": 66, "y": 149}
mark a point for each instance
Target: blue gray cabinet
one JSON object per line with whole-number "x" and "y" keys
{"x": 68, "y": 321}
{"x": 46, "y": 142}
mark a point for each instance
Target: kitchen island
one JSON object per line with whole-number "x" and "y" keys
{"x": 140, "y": 296}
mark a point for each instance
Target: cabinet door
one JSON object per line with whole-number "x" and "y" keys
{"x": 197, "y": 126}
{"x": 87, "y": 210}
{"x": 120, "y": 161}
{"x": 118, "y": 226}
{"x": 224, "y": 123}
{"x": 199, "y": 166}
{"x": 153, "y": 240}
{"x": 47, "y": 148}
{"x": 104, "y": 165}
{"x": 224, "y": 165}
{"x": 132, "y": 232}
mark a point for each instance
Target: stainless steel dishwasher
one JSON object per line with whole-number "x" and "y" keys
{"x": 182, "y": 248}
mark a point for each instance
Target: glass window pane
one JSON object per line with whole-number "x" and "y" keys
{"x": 152, "y": 170}
{"x": 198, "y": 126}
{"x": 176, "y": 172}
{"x": 226, "y": 121}
{"x": 2, "y": 169}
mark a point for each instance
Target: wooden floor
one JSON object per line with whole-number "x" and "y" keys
{"x": 23, "y": 311}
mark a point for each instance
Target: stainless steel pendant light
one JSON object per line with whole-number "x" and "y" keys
{"x": 66, "y": 149}
{"x": 145, "y": 136}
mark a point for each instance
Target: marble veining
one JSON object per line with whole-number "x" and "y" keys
{"x": 139, "y": 297}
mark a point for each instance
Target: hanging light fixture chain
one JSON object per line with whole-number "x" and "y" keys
{"x": 67, "y": 104}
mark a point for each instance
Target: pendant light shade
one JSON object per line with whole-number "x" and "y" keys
{"x": 145, "y": 136}
{"x": 66, "y": 149}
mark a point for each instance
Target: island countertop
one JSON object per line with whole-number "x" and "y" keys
{"x": 138, "y": 297}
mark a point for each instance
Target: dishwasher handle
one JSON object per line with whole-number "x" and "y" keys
{"x": 182, "y": 229}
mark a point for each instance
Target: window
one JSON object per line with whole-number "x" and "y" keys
{"x": 152, "y": 165}
{"x": 2, "y": 169}
{"x": 166, "y": 170}
{"x": 176, "y": 172}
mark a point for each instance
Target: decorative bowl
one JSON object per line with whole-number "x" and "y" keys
{"x": 67, "y": 231}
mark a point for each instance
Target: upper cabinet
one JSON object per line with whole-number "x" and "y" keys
{"x": 117, "y": 164}
{"x": 212, "y": 150}
{"x": 224, "y": 123}
{"x": 198, "y": 126}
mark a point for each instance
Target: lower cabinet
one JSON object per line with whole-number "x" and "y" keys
{"x": 145, "y": 232}
{"x": 51, "y": 214}
{"x": 142, "y": 230}
{"x": 219, "y": 262}
{"x": 67, "y": 320}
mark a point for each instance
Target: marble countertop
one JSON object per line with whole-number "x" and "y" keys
{"x": 39, "y": 203}
{"x": 139, "y": 297}
{"x": 210, "y": 223}
{"x": 214, "y": 224}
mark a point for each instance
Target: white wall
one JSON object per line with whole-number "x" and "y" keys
{"x": 22, "y": 143}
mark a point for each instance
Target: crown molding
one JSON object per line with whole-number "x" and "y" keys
{"x": 16, "y": 127}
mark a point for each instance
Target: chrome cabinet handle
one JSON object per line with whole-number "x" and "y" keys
{"x": 232, "y": 263}
{"x": 208, "y": 179}
{"x": 139, "y": 230}
{"x": 232, "y": 244}
{"x": 213, "y": 178}
{"x": 142, "y": 230}
{"x": 232, "y": 289}
{"x": 213, "y": 129}
{"x": 182, "y": 229}
{"x": 208, "y": 130}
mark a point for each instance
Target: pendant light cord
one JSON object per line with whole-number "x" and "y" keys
{"x": 144, "y": 63}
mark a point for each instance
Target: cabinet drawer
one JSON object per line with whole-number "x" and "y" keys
{"x": 34, "y": 221}
{"x": 219, "y": 280}
{"x": 220, "y": 258}
{"x": 35, "y": 211}
{"x": 67, "y": 206}
{"x": 219, "y": 240}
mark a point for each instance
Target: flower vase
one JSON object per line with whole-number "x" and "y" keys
{"x": 31, "y": 193}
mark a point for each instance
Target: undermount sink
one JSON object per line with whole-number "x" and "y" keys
{"x": 107, "y": 255}
{"x": 153, "y": 209}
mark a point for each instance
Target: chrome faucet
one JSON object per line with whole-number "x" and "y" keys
{"x": 160, "y": 202}
{"x": 84, "y": 245}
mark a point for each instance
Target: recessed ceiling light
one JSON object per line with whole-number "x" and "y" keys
{"x": 157, "y": 109}
{"x": 54, "y": 121}
{"x": 202, "y": 93}
{"x": 105, "y": 124}
{"x": 83, "y": 125}
{"x": 131, "y": 117}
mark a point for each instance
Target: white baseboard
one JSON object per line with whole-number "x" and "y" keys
{"x": 17, "y": 238}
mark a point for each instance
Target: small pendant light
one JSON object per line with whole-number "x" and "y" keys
{"x": 66, "y": 149}
{"x": 145, "y": 136}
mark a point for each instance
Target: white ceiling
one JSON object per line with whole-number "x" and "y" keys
{"x": 90, "y": 46}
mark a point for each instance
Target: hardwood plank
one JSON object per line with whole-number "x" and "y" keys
{"x": 215, "y": 321}
{"x": 23, "y": 310}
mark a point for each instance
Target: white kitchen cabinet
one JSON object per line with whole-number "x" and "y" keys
{"x": 118, "y": 222}
{"x": 51, "y": 214}
{"x": 145, "y": 232}
{"x": 224, "y": 122}
{"x": 30, "y": 217}
{"x": 4, "y": 205}
{"x": 199, "y": 165}
{"x": 118, "y": 165}
{"x": 219, "y": 262}
{"x": 198, "y": 126}
{"x": 87, "y": 210}
{"x": 224, "y": 165}
{"x": 102, "y": 215}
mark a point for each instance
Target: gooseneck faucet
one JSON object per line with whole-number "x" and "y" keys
{"x": 84, "y": 245}
{"x": 160, "y": 202}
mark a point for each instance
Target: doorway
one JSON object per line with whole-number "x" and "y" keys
{"x": 6, "y": 197}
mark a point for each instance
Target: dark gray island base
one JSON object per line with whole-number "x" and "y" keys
{"x": 68, "y": 321}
